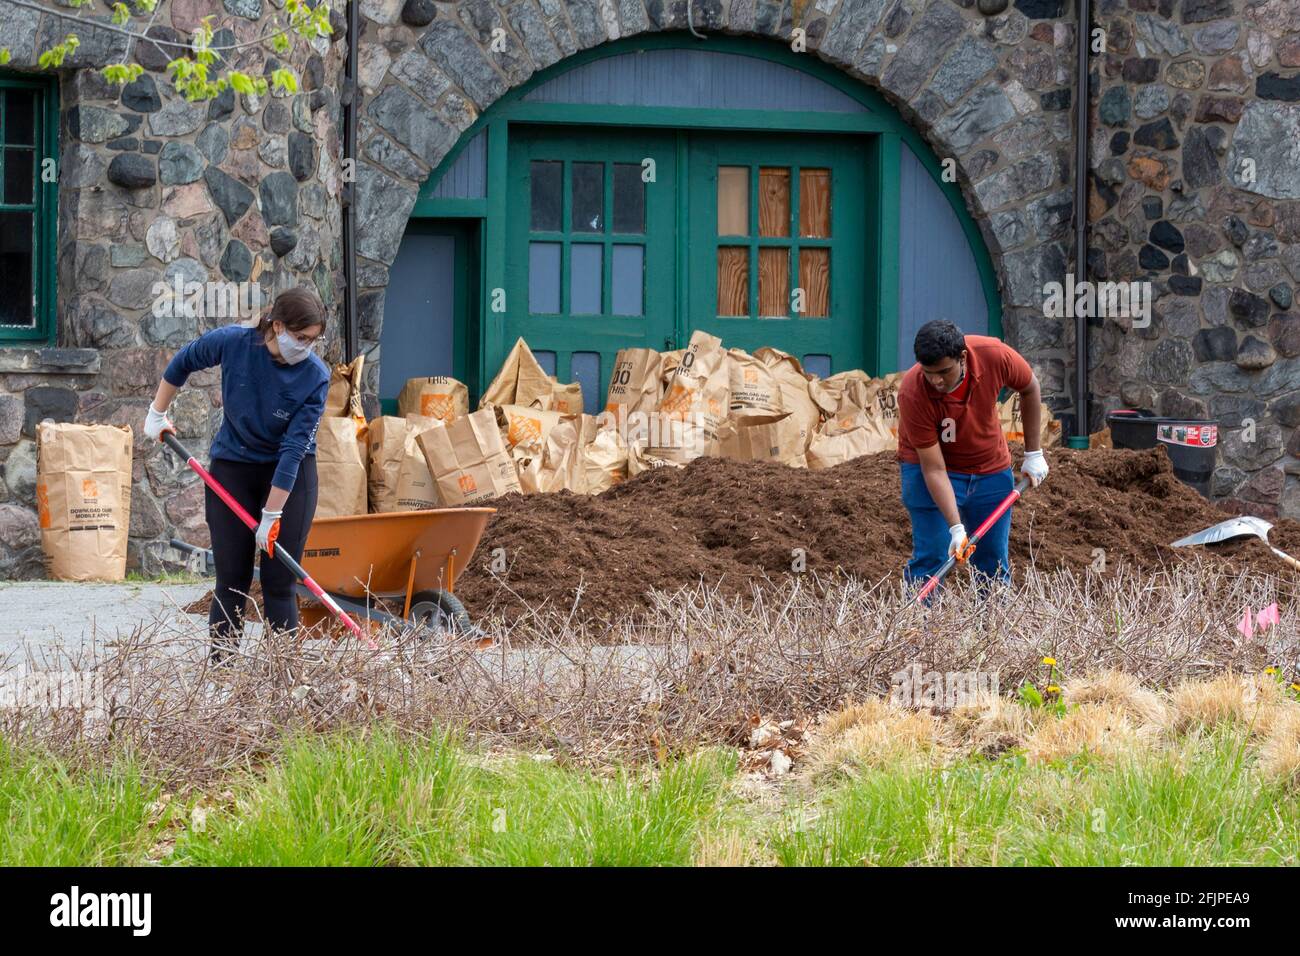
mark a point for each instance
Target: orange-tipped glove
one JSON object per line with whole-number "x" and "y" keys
{"x": 155, "y": 423}
{"x": 268, "y": 531}
{"x": 959, "y": 545}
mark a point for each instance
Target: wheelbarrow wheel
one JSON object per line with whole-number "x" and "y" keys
{"x": 439, "y": 611}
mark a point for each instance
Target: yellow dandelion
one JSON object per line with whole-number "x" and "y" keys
{"x": 1049, "y": 661}
{"x": 1270, "y": 671}
{"x": 1053, "y": 689}
{"x": 1295, "y": 686}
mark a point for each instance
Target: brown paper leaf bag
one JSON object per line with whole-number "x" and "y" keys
{"x": 340, "y": 469}
{"x": 754, "y": 389}
{"x": 521, "y": 381}
{"x": 634, "y": 382}
{"x": 433, "y": 396}
{"x": 468, "y": 460}
{"x": 83, "y": 499}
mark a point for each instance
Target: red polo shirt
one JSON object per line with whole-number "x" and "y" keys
{"x": 978, "y": 446}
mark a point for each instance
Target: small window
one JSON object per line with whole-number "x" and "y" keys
{"x": 27, "y": 211}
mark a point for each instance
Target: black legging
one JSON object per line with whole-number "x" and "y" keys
{"x": 234, "y": 547}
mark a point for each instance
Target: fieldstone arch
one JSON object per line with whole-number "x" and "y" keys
{"x": 943, "y": 70}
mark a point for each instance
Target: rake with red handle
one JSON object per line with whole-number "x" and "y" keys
{"x": 170, "y": 440}
{"x": 973, "y": 540}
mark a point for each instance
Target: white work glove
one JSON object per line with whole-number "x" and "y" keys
{"x": 268, "y": 531}
{"x": 1034, "y": 467}
{"x": 957, "y": 545}
{"x": 155, "y": 423}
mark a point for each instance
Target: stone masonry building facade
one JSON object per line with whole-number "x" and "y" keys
{"x": 1193, "y": 185}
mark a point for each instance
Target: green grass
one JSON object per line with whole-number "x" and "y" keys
{"x": 54, "y": 818}
{"x": 378, "y": 799}
{"x": 351, "y": 801}
{"x": 1194, "y": 806}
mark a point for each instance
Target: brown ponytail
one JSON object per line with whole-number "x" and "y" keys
{"x": 298, "y": 308}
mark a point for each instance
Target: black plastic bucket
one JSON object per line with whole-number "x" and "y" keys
{"x": 1192, "y": 444}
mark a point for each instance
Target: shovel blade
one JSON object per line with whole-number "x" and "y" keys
{"x": 1245, "y": 526}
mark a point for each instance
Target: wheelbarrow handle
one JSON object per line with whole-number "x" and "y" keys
{"x": 171, "y": 441}
{"x": 973, "y": 540}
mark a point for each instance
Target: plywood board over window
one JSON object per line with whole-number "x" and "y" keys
{"x": 774, "y": 201}
{"x": 773, "y": 281}
{"x": 733, "y": 280}
{"x": 815, "y": 280}
{"x": 815, "y": 203}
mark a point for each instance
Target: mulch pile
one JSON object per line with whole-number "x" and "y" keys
{"x": 729, "y": 522}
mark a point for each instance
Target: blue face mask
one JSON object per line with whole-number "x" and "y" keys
{"x": 291, "y": 350}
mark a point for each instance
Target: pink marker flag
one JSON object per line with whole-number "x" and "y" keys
{"x": 1245, "y": 625}
{"x": 1267, "y": 617}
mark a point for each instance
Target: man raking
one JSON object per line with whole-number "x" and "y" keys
{"x": 954, "y": 459}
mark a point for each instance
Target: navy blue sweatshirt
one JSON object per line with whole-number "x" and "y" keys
{"x": 271, "y": 409}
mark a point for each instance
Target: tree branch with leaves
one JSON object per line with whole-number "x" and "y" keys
{"x": 199, "y": 71}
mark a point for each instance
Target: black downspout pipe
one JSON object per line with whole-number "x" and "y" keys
{"x": 349, "y": 220}
{"x": 1081, "y": 222}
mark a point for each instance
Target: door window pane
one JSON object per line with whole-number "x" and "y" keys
{"x": 588, "y": 197}
{"x": 628, "y": 279}
{"x": 815, "y": 203}
{"x": 733, "y": 200}
{"x": 19, "y": 165}
{"x": 20, "y": 117}
{"x": 815, "y": 280}
{"x": 629, "y": 199}
{"x": 733, "y": 280}
{"x": 546, "y": 360}
{"x": 774, "y": 281}
{"x": 544, "y": 277}
{"x": 584, "y": 367}
{"x": 774, "y": 201}
{"x": 546, "y": 181}
{"x": 16, "y": 238}
{"x": 586, "y": 262}
{"x": 819, "y": 365}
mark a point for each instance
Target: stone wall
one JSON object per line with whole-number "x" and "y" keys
{"x": 1188, "y": 98}
{"x": 151, "y": 188}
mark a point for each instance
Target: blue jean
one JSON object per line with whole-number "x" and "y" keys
{"x": 977, "y": 496}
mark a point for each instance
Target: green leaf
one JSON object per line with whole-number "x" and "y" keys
{"x": 240, "y": 82}
{"x": 4, "y": 55}
{"x": 284, "y": 80}
{"x": 121, "y": 14}
{"x": 1029, "y": 694}
{"x": 280, "y": 43}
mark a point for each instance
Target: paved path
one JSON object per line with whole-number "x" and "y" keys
{"x": 37, "y": 615}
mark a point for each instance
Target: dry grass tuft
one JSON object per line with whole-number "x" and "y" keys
{"x": 989, "y": 727}
{"x": 1121, "y": 691}
{"x": 1279, "y": 754}
{"x": 866, "y": 736}
{"x": 1247, "y": 701}
{"x": 1100, "y": 730}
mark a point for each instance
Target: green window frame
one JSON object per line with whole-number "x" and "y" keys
{"x": 36, "y": 200}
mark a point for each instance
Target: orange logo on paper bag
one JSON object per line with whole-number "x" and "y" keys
{"x": 437, "y": 406}
{"x": 467, "y": 484}
{"x": 751, "y": 376}
{"x": 43, "y": 505}
{"x": 524, "y": 429}
{"x": 89, "y": 488}
{"x": 678, "y": 400}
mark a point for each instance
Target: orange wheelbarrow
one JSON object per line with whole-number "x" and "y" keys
{"x": 394, "y": 568}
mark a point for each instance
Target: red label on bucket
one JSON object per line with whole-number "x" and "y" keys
{"x": 1195, "y": 436}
